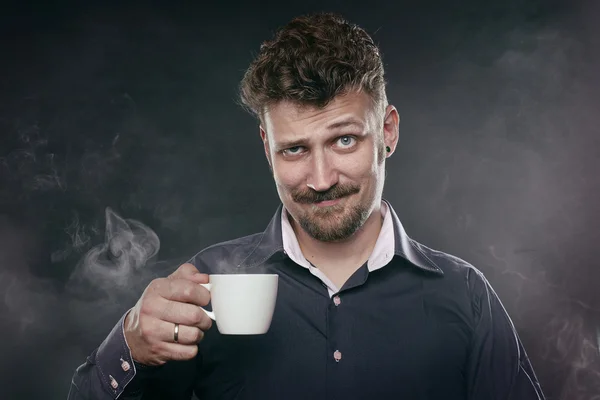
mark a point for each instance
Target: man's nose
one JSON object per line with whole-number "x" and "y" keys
{"x": 323, "y": 173}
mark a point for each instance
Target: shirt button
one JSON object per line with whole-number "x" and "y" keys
{"x": 337, "y": 355}
{"x": 113, "y": 382}
{"x": 337, "y": 301}
{"x": 125, "y": 365}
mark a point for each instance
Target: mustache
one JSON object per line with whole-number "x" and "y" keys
{"x": 335, "y": 192}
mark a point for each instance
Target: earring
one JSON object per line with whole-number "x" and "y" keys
{"x": 388, "y": 149}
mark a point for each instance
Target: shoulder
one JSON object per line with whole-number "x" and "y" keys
{"x": 462, "y": 284}
{"x": 456, "y": 270}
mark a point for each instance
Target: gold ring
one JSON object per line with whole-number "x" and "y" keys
{"x": 176, "y": 333}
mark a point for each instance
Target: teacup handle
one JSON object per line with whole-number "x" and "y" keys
{"x": 209, "y": 313}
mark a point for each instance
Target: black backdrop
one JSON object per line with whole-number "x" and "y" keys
{"x": 123, "y": 153}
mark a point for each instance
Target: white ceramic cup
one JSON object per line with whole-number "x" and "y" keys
{"x": 242, "y": 304}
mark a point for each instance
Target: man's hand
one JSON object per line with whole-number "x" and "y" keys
{"x": 150, "y": 325}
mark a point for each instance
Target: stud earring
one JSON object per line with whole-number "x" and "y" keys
{"x": 388, "y": 149}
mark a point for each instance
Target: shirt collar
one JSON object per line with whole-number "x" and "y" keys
{"x": 278, "y": 232}
{"x": 381, "y": 255}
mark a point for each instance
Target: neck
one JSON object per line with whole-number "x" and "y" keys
{"x": 348, "y": 254}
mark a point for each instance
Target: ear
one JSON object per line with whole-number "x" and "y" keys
{"x": 265, "y": 139}
{"x": 391, "y": 128}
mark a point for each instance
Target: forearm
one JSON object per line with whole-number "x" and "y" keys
{"x": 111, "y": 373}
{"x": 108, "y": 372}
{"x": 89, "y": 382}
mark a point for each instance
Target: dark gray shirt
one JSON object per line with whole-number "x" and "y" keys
{"x": 426, "y": 326}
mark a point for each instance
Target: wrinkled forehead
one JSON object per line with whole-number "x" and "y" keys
{"x": 286, "y": 116}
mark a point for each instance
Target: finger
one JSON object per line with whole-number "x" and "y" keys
{"x": 178, "y": 351}
{"x": 184, "y": 313}
{"x": 184, "y": 291}
{"x": 185, "y": 335}
{"x": 189, "y": 272}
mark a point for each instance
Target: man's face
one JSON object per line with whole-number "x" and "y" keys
{"x": 328, "y": 164}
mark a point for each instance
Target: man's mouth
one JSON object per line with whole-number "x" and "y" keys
{"x": 327, "y": 203}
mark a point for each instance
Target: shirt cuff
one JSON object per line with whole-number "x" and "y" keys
{"x": 116, "y": 365}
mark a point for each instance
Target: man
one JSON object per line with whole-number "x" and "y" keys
{"x": 363, "y": 311}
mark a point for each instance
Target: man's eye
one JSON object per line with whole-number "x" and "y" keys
{"x": 347, "y": 141}
{"x": 293, "y": 150}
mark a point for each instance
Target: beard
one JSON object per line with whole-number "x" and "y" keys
{"x": 334, "y": 223}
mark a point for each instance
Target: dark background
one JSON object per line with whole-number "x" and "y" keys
{"x": 123, "y": 153}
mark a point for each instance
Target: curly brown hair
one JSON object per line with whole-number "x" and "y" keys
{"x": 310, "y": 61}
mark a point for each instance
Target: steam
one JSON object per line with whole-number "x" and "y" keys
{"x": 568, "y": 339}
{"x": 31, "y": 306}
{"x": 129, "y": 245}
{"x": 42, "y": 321}
{"x": 571, "y": 345}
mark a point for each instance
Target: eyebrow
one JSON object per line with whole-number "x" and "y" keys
{"x": 289, "y": 144}
{"x": 343, "y": 124}
{"x": 335, "y": 125}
